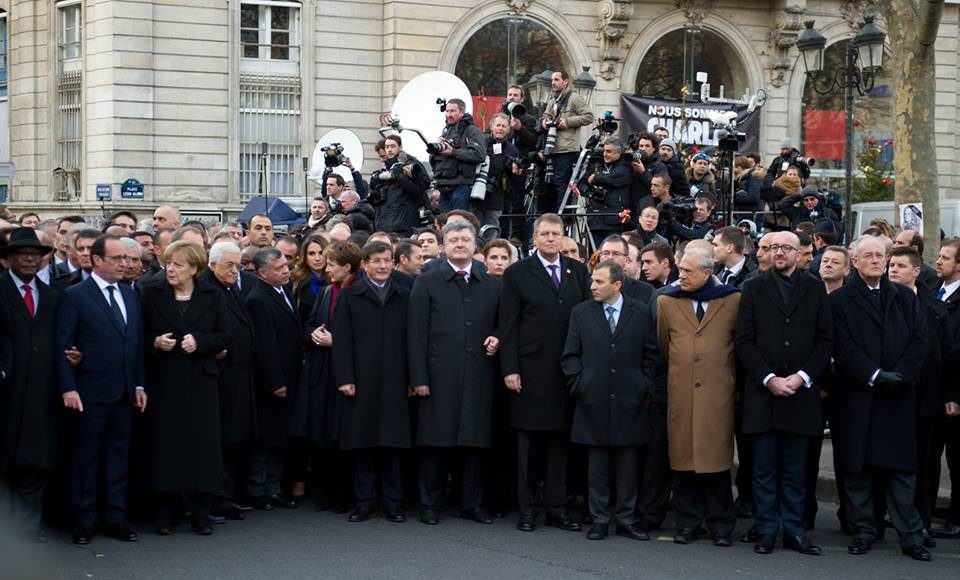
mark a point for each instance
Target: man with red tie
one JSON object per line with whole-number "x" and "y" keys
{"x": 28, "y": 388}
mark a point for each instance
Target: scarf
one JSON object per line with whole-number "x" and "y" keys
{"x": 709, "y": 291}
{"x": 316, "y": 284}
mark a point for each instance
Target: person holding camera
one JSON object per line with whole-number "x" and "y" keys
{"x": 503, "y": 176}
{"x": 789, "y": 157}
{"x": 700, "y": 175}
{"x": 331, "y": 189}
{"x": 563, "y": 116}
{"x": 455, "y": 157}
{"x": 806, "y": 206}
{"x": 645, "y": 164}
{"x": 607, "y": 188}
{"x": 523, "y": 125}
{"x": 700, "y": 222}
{"x": 398, "y": 190}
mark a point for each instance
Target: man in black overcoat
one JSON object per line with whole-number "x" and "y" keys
{"x": 538, "y": 295}
{"x": 451, "y": 343}
{"x": 370, "y": 371}
{"x": 29, "y": 400}
{"x": 784, "y": 338}
{"x": 879, "y": 348}
{"x": 238, "y": 419}
{"x": 937, "y": 391}
{"x": 610, "y": 359}
{"x": 277, "y": 360}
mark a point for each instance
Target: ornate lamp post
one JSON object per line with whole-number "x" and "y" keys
{"x": 864, "y": 58}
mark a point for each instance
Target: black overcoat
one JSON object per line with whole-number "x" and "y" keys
{"x": 611, "y": 374}
{"x": 534, "y": 318}
{"x": 318, "y": 409}
{"x": 277, "y": 361}
{"x": 238, "y": 412}
{"x": 875, "y": 427}
{"x": 370, "y": 351}
{"x": 778, "y": 338}
{"x": 29, "y": 396}
{"x": 181, "y": 425}
{"x": 939, "y": 379}
{"x": 448, "y": 322}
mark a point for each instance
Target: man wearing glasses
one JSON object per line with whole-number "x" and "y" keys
{"x": 879, "y": 348}
{"x": 101, "y": 318}
{"x": 784, "y": 337}
{"x": 616, "y": 248}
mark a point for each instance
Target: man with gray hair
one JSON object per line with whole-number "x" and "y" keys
{"x": 133, "y": 261}
{"x": 696, "y": 321}
{"x": 276, "y": 324}
{"x": 451, "y": 343}
{"x": 236, "y": 364}
{"x": 359, "y": 214}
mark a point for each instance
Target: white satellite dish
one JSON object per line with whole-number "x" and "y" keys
{"x": 416, "y": 108}
{"x": 352, "y": 148}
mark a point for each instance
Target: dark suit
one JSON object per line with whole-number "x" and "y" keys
{"x": 106, "y": 379}
{"x": 449, "y": 320}
{"x": 611, "y": 374}
{"x": 947, "y": 435}
{"x": 63, "y": 278}
{"x": 29, "y": 401}
{"x": 782, "y": 337}
{"x": 534, "y": 318}
{"x": 876, "y": 429}
{"x": 278, "y": 358}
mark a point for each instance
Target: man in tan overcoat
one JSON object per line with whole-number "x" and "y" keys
{"x": 695, "y": 331}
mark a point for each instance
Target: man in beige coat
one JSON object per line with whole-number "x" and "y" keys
{"x": 695, "y": 331}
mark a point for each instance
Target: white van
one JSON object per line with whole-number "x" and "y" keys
{"x": 864, "y": 212}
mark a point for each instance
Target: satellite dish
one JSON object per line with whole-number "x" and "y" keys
{"x": 352, "y": 148}
{"x": 416, "y": 108}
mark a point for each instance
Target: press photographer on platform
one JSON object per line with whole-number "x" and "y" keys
{"x": 455, "y": 156}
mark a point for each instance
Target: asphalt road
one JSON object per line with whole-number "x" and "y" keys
{"x": 301, "y": 544}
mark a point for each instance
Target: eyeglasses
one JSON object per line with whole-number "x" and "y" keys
{"x": 778, "y": 247}
{"x": 119, "y": 258}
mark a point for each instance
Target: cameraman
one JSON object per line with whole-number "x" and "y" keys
{"x": 568, "y": 112}
{"x": 358, "y": 183}
{"x": 503, "y": 177}
{"x": 646, "y": 163}
{"x": 607, "y": 188}
{"x": 806, "y": 206}
{"x": 789, "y": 156}
{"x": 701, "y": 224}
{"x": 523, "y": 128}
{"x": 455, "y": 165}
{"x": 398, "y": 191}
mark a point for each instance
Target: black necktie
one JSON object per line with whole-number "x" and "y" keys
{"x": 724, "y": 276}
{"x": 875, "y": 295}
{"x": 700, "y": 311}
{"x": 115, "y": 307}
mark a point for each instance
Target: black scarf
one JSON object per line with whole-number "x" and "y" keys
{"x": 709, "y": 291}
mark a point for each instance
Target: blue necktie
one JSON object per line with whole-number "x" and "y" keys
{"x": 941, "y": 293}
{"x": 117, "y": 313}
{"x": 610, "y": 319}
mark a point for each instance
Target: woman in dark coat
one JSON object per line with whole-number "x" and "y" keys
{"x": 308, "y": 277}
{"x": 318, "y": 408}
{"x": 185, "y": 326}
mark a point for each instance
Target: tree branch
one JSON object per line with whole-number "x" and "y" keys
{"x": 930, "y": 13}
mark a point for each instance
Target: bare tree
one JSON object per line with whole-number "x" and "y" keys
{"x": 912, "y": 30}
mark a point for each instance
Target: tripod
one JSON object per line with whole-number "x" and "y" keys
{"x": 579, "y": 230}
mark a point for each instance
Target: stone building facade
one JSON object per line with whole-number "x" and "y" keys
{"x": 179, "y": 94}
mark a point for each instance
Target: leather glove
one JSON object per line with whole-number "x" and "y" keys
{"x": 889, "y": 381}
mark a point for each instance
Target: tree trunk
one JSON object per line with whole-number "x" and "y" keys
{"x": 912, "y": 42}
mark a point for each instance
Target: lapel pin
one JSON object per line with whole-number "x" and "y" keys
{"x": 568, "y": 271}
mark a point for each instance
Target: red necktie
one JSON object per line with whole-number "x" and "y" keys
{"x": 28, "y": 300}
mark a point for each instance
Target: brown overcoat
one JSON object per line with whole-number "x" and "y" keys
{"x": 701, "y": 380}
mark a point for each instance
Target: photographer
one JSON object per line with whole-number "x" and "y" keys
{"x": 700, "y": 177}
{"x": 455, "y": 164}
{"x": 566, "y": 113}
{"x": 645, "y": 164}
{"x": 358, "y": 183}
{"x": 523, "y": 127}
{"x": 503, "y": 177}
{"x": 397, "y": 192}
{"x": 679, "y": 186}
{"x": 700, "y": 224}
{"x": 806, "y": 206}
{"x": 607, "y": 189}
{"x": 789, "y": 156}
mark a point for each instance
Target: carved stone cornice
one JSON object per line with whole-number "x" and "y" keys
{"x": 783, "y": 36}
{"x": 614, "y": 15}
{"x": 853, "y": 11}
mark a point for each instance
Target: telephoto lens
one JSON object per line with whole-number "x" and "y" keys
{"x": 551, "y": 143}
{"x": 479, "y": 189}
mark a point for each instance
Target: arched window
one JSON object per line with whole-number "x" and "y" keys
{"x": 675, "y": 59}
{"x": 509, "y": 51}
{"x": 824, "y": 117}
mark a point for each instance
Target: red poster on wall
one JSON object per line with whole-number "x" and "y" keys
{"x": 824, "y": 138}
{"x": 484, "y": 108}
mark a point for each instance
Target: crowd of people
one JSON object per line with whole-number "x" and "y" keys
{"x": 380, "y": 357}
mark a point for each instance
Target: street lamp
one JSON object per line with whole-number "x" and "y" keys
{"x": 539, "y": 88}
{"x": 864, "y": 60}
{"x": 584, "y": 84}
